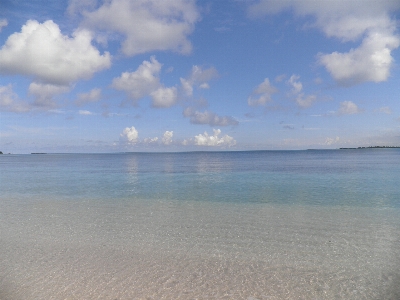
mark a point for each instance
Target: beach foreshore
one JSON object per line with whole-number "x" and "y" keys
{"x": 169, "y": 250}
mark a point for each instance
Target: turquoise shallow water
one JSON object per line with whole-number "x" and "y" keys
{"x": 332, "y": 177}
{"x": 224, "y": 225}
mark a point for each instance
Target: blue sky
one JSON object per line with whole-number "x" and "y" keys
{"x": 181, "y": 75}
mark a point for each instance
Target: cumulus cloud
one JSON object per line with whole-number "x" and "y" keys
{"x": 147, "y": 25}
{"x": 150, "y": 140}
{"x": 164, "y": 97}
{"x": 214, "y": 140}
{"x": 330, "y": 141}
{"x": 369, "y": 62}
{"x": 130, "y": 135}
{"x": 53, "y": 60}
{"x": 262, "y": 94}
{"x": 167, "y": 137}
{"x": 145, "y": 81}
{"x": 204, "y": 86}
{"x": 7, "y": 96}
{"x": 208, "y": 117}
{"x": 198, "y": 77}
{"x": 187, "y": 87}
{"x": 280, "y": 78}
{"x": 297, "y": 86}
{"x": 349, "y": 108}
{"x": 305, "y": 101}
{"x": 3, "y": 23}
{"x": 348, "y": 21}
{"x": 41, "y": 51}
{"x": 9, "y": 100}
{"x": 93, "y": 96}
{"x": 301, "y": 99}
{"x": 142, "y": 82}
{"x": 78, "y": 6}
{"x": 44, "y": 94}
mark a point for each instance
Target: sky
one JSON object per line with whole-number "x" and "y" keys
{"x": 186, "y": 75}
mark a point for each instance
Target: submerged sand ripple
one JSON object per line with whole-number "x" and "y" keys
{"x": 174, "y": 250}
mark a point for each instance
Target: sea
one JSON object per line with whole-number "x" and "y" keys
{"x": 310, "y": 224}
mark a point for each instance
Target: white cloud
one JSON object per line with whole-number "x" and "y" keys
{"x": 204, "y": 86}
{"x": 44, "y": 94}
{"x": 301, "y": 99}
{"x": 56, "y": 111}
{"x": 351, "y": 26}
{"x": 142, "y": 82}
{"x": 385, "y": 110}
{"x": 164, "y": 97}
{"x": 145, "y": 81}
{"x": 147, "y": 25}
{"x": 208, "y": 117}
{"x": 150, "y": 140}
{"x": 187, "y": 87}
{"x": 93, "y": 96}
{"x": 198, "y": 77}
{"x": 348, "y": 21}
{"x": 330, "y": 141}
{"x": 318, "y": 80}
{"x": 297, "y": 86}
{"x": 305, "y": 101}
{"x": 280, "y": 78}
{"x": 7, "y": 96}
{"x": 348, "y": 108}
{"x": 78, "y": 6}
{"x": 369, "y": 62}
{"x": 262, "y": 94}
{"x": 167, "y": 137}
{"x": 3, "y": 23}
{"x": 85, "y": 112}
{"x": 214, "y": 140}
{"x": 130, "y": 135}
{"x": 344, "y": 19}
{"x": 9, "y": 100}
{"x": 41, "y": 51}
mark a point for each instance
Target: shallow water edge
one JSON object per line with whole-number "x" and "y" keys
{"x": 160, "y": 249}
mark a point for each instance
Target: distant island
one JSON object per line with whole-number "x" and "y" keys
{"x": 372, "y": 147}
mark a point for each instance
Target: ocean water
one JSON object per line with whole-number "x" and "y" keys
{"x": 201, "y": 225}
